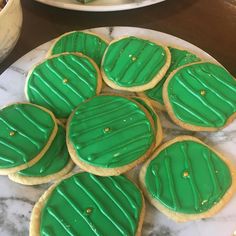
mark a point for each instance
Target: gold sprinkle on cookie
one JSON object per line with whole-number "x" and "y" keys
{"x": 106, "y": 130}
{"x": 203, "y": 92}
{"x": 185, "y": 174}
{"x": 89, "y": 210}
{"x": 65, "y": 81}
{"x": 12, "y": 133}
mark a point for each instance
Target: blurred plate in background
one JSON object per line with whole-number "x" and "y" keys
{"x": 100, "y": 5}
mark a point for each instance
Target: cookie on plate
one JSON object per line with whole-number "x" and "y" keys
{"x": 179, "y": 57}
{"x": 54, "y": 164}
{"x": 61, "y": 82}
{"x": 110, "y": 134}
{"x": 201, "y": 97}
{"x": 27, "y": 131}
{"x": 85, "y": 204}
{"x": 187, "y": 180}
{"x": 134, "y": 64}
{"x": 157, "y": 123}
{"x": 87, "y": 43}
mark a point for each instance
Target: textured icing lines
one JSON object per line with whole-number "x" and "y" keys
{"x": 106, "y": 204}
{"x": 133, "y": 61}
{"x": 62, "y": 82}
{"x": 19, "y": 144}
{"x": 178, "y": 58}
{"x": 190, "y": 174}
{"x": 88, "y": 44}
{"x": 194, "y": 185}
{"x": 111, "y": 134}
{"x": 53, "y": 160}
{"x": 212, "y": 95}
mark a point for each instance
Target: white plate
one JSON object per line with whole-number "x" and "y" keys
{"x": 16, "y": 201}
{"x": 100, "y": 5}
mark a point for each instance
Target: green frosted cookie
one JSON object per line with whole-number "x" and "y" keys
{"x": 87, "y": 205}
{"x": 54, "y": 164}
{"x": 178, "y": 59}
{"x": 186, "y": 179}
{"x": 134, "y": 64}
{"x": 157, "y": 124}
{"x": 27, "y": 131}
{"x": 86, "y": 43}
{"x": 201, "y": 96}
{"x": 62, "y": 82}
{"x": 109, "y": 134}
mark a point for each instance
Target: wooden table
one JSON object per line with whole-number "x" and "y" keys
{"x": 209, "y": 24}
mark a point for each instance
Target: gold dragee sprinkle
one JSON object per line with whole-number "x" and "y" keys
{"x": 65, "y": 81}
{"x": 134, "y": 58}
{"x": 106, "y": 130}
{"x": 203, "y": 92}
{"x": 12, "y": 133}
{"x": 88, "y": 210}
{"x": 185, "y": 174}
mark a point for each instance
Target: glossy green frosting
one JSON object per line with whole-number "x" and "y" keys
{"x": 54, "y": 160}
{"x": 85, "y": 204}
{"x": 178, "y": 59}
{"x": 25, "y": 130}
{"x": 62, "y": 82}
{"x": 133, "y": 61}
{"x": 187, "y": 177}
{"x": 110, "y": 131}
{"x": 149, "y": 109}
{"x": 203, "y": 94}
{"x": 89, "y": 44}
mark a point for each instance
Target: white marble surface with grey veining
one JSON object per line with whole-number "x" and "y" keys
{"x": 16, "y": 201}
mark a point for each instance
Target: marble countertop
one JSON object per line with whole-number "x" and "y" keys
{"x": 17, "y": 201}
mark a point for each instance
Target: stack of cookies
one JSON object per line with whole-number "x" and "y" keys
{"x": 71, "y": 120}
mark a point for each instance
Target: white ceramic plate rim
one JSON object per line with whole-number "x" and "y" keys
{"x": 12, "y": 90}
{"x": 72, "y": 5}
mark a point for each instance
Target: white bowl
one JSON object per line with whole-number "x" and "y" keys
{"x": 10, "y": 26}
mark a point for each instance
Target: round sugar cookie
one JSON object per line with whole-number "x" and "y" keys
{"x": 109, "y": 135}
{"x": 187, "y": 180}
{"x": 87, "y": 43}
{"x": 134, "y": 64}
{"x": 61, "y": 82}
{"x": 179, "y": 57}
{"x": 200, "y": 97}
{"x": 27, "y": 131}
{"x": 54, "y": 164}
{"x": 84, "y": 204}
{"x": 157, "y": 123}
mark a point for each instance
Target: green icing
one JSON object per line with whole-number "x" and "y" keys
{"x": 206, "y": 181}
{"x": 85, "y": 204}
{"x": 110, "y": 131}
{"x": 62, "y": 82}
{"x": 149, "y": 109}
{"x": 25, "y": 130}
{"x": 89, "y": 44}
{"x": 133, "y": 61}
{"x": 178, "y": 59}
{"x": 203, "y": 94}
{"x": 54, "y": 160}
